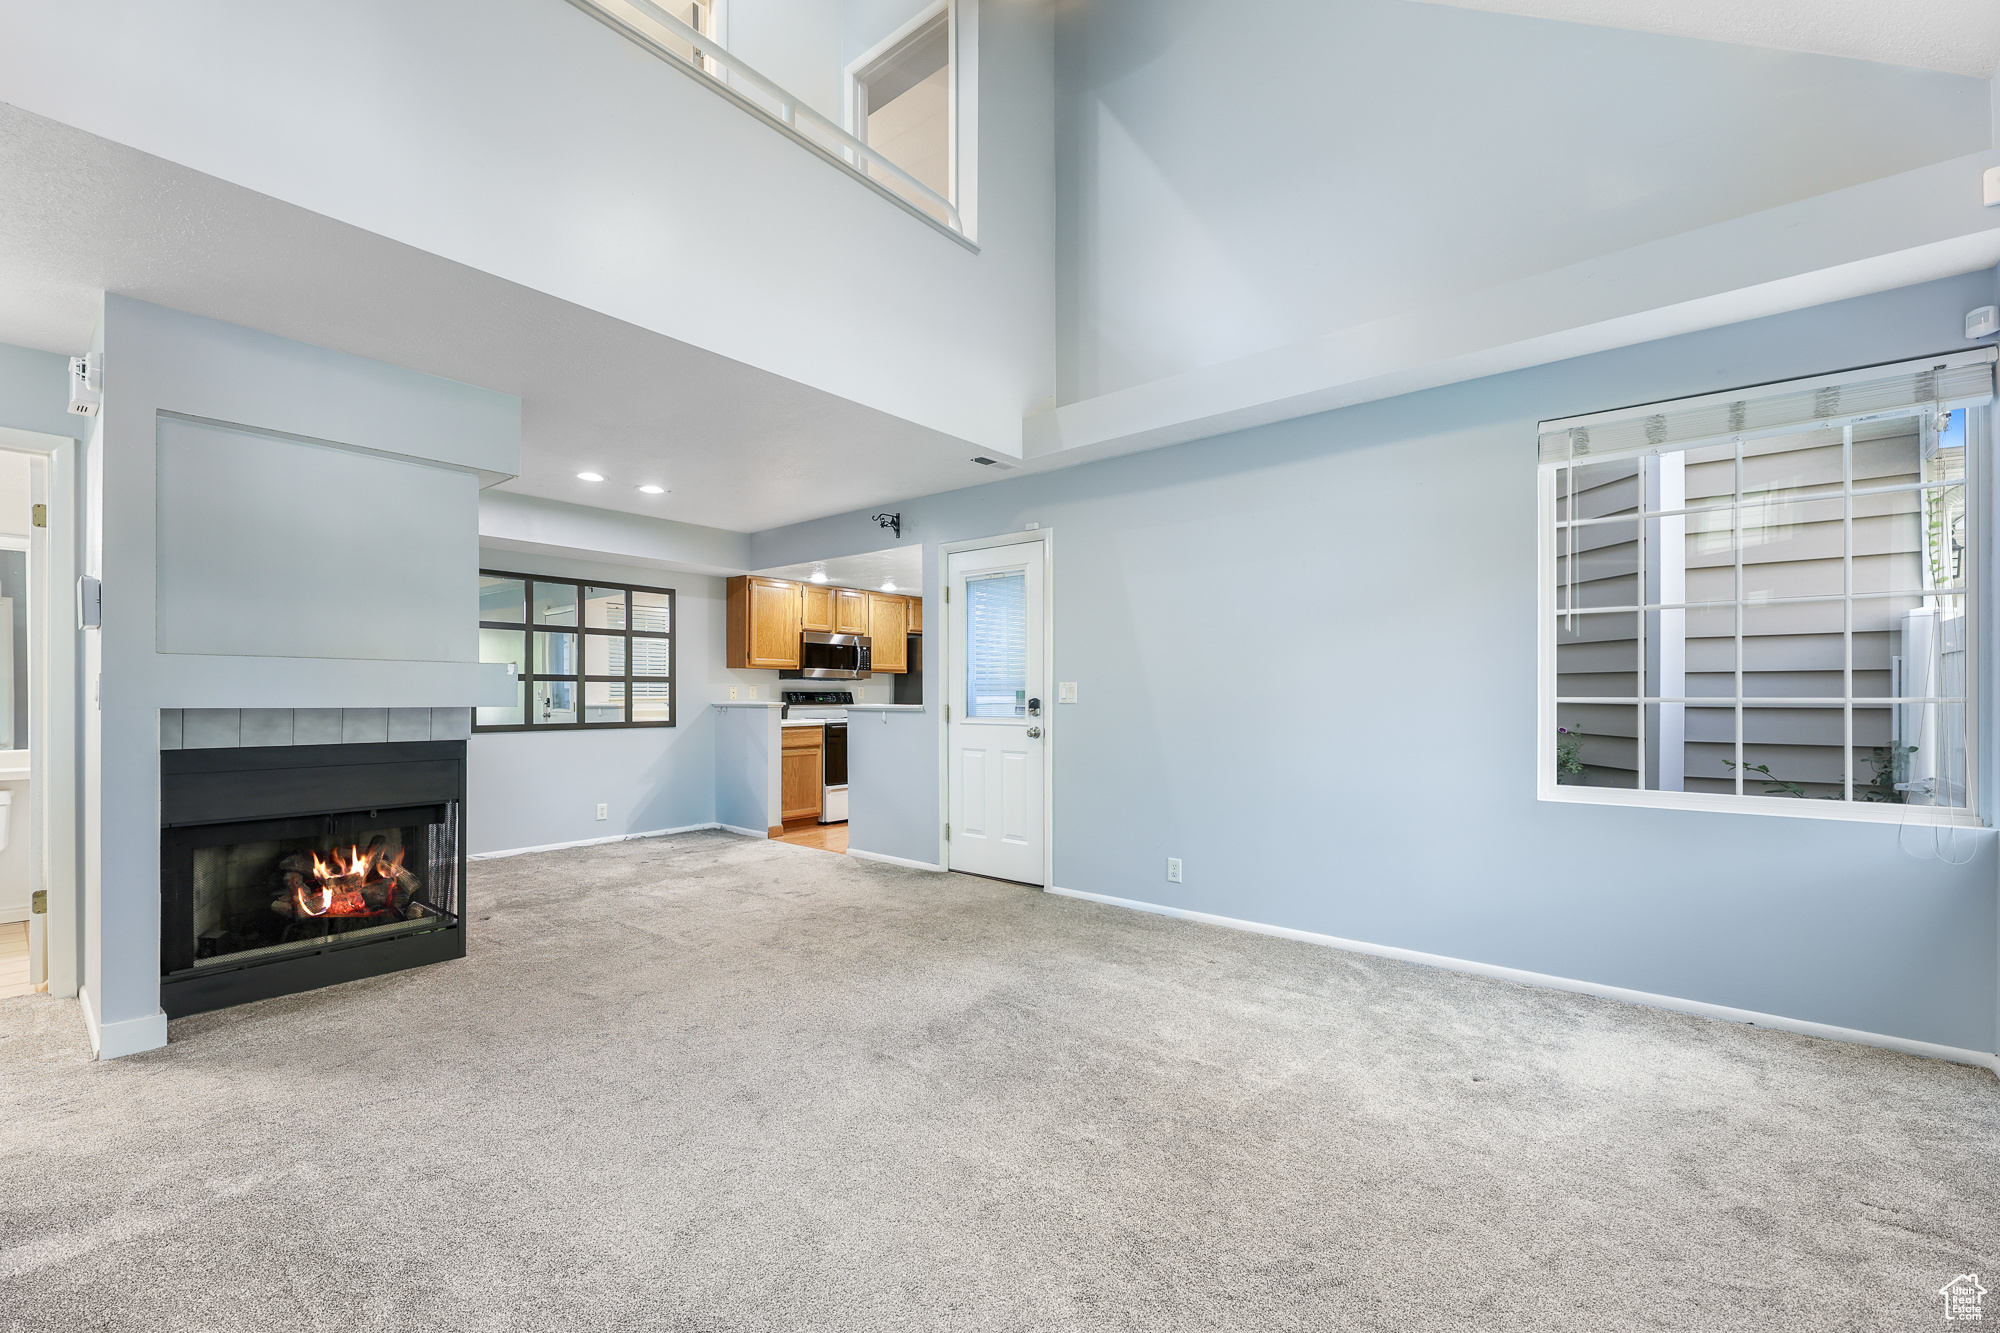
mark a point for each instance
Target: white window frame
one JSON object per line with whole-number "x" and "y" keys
{"x": 1981, "y": 509}
{"x": 956, "y": 83}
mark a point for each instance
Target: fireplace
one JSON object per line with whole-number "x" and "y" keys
{"x": 287, "y": 868}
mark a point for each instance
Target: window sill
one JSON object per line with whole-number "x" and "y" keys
{"x": 1915, "y": 816}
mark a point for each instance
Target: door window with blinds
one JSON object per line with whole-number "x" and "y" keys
{"x": 1765, "y": 599}
{"x": 996, "y": 645}
{"x": 585, "y": 655}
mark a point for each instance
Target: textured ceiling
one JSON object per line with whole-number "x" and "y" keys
{"x": 1957, "y": 36}
{"x": 735, "y": 446}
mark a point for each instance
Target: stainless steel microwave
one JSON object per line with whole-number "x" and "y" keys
{"x": 831, "y": 657}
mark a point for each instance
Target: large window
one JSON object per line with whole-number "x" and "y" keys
{"x": 1766, "y": 599}
{"x": 584, "y": 654}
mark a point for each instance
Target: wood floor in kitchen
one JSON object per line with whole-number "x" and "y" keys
{"x": 14, "y": 950}
{"x": 812, "y": 833}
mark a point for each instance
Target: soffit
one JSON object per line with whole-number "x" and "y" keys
{"x": 901, "y": 565}
{"x": 736, "y": 447}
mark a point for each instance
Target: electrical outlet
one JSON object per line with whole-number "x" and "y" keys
{"x": 603, "y": 811}
{"x": 1066, "y": 692}
{"x": 753, "y": 691}
{"x": 732, "y": 694}
{"x": 1173, "y": 870}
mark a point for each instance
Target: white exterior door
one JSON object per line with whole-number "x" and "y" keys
{"x": 994, "y": 736}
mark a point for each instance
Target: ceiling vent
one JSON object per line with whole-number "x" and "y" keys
{"x": 984, "y": 461}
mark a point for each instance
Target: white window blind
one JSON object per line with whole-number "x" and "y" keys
{"x": 1962, "y": 379}
{"x": 996, "y": 637}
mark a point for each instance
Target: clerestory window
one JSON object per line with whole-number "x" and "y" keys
{"x": 1767, "y": 599}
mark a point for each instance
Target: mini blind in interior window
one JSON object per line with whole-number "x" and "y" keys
{"x": 996, "y": 645}
{"x": 1963, "y": 379}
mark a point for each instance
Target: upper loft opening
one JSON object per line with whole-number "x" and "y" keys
{"x": 891, "y": 117}
{"x": 899, "y": 99}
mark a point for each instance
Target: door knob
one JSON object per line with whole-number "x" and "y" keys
{"x": 1034, "y": 733}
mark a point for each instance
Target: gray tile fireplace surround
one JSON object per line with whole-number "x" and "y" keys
{"x": 230, "y": 728}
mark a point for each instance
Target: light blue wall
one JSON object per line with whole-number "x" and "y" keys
{"x": 891, "y": 757}
{"x": 535, "y": 789}
{"x": 746, "y": 769}
{"x": 160, "y": 360}
{"x": 1234, "y": 180}
{"x": 1379, "y": 563}
{"x": 795, "y": 43}
{"x": 34, "y": 392}
{"x": 864, "y": 23}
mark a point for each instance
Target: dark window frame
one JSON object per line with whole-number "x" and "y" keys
{"x": 581, "y": 679}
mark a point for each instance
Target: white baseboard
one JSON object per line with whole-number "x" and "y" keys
{"x": 588, "y": 842}
{"x": 128, "y": 1036}
{"x": 763, "y": 833}
{"x": 860, "y": 855}
{"x": 1804, "y": 1027}
{"x": 9, "y": 915}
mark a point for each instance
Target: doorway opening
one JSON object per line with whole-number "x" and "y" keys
{"x": 39, "y": 927}
{"x": 845, "y": 634}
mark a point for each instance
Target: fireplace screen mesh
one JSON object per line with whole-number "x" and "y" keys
{"x": 267, "y": 896}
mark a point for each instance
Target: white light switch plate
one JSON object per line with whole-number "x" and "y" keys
{"x": 1993, "y": 187}
{"x": 1066, "y": 692}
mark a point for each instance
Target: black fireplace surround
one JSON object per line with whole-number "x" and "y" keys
{"x": 287, "y": 868}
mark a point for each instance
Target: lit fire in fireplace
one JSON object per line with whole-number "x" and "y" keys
{"x": 358, "y": 882}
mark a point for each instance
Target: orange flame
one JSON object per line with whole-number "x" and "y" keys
{"x": 342, "y": 878}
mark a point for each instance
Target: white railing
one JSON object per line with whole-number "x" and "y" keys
{"x": 712, "y": 60}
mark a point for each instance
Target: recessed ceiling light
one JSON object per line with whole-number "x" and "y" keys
{"x": 589, "y": 476}
{"x": 653, "y": 490}
{"x": 817, "y": 576}
{"x": 888, "y": 585}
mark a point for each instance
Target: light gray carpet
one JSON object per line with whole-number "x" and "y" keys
{"x": 713, "y": 1083}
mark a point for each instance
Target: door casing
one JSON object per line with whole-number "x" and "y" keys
{"x": 56, "y": 726}
{"x": 1050, "y": 732}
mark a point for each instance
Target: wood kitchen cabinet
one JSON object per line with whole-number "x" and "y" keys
{"x": 916, "y": 615}
{"x": 816, "y": 607}
{"x": 763, "y": 623}
{"x": 888, "y": 631}
{"x": 802, "y": 781}
{"x": 850, "y": 611}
